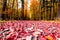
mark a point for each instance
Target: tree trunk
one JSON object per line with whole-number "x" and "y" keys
{"x": 4, "y": 5}
{"x": 22, "y": 15}
{"x": 4, "y": 8}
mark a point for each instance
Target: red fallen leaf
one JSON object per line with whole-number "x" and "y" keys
{"x": 43, "y": 38}
{"x": 24, "y": 39}
{"x": 0, "y": 38}
{"x": 53, "y": 36}
{"x": 2, "y": 28}
{"x": 23, "y": 31}
{"x": 11, "y": 37}
{"x": 58, "y": 36}
{"x": 13, "y": 24}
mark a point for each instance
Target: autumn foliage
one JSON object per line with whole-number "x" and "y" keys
{"x": 33, "y": 9}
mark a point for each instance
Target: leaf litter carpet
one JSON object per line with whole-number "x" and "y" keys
{"x": 29, "y": 30}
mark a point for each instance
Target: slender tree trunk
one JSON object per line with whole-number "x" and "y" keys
{"x": 12, "y": 9}
{"x": 22, "y": 9}
{"x": 4, "y": 8}
{"x": 4, "y": 5}
{"x": 13, "y": 4}
{"x": 17, "y": 11}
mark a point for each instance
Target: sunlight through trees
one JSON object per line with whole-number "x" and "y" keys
{"x": 28, "y": 9}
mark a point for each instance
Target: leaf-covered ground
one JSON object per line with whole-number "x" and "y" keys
{"x": 29, "y": 30}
